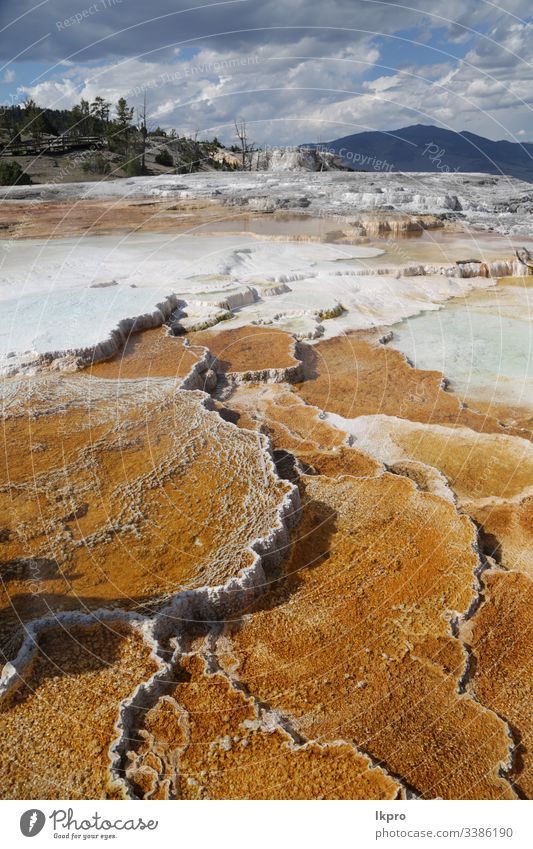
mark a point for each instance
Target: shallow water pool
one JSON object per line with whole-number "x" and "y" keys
{"x": 482, "y": 343}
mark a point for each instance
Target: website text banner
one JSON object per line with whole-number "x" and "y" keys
{"x": 235, "y": 824}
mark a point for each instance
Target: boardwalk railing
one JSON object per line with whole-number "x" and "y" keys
{"x": 61, "y": 144}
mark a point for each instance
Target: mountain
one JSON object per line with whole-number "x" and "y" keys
{"x": 427, "y": 148}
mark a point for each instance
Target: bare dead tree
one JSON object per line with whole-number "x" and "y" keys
{"x": 247, "y": 148}
{"x": 143, "y": 129}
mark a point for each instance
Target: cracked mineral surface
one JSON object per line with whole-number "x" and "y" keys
{"x": 110, "y": 496}
{"x": 209, "y": 739}
{"x": 356, "y": 642}
{"x": 255, "y": 540}
{"x": 59, "y": 723}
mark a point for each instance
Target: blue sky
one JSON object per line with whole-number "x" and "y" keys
{"x": 293, "y": 69}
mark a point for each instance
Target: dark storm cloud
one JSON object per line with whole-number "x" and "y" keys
{"x": 84, "y": 30}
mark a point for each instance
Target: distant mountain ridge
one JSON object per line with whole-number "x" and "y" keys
{"x": 420, "y": 147}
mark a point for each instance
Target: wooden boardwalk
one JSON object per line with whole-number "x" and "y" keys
{"x": 61, "y": 144}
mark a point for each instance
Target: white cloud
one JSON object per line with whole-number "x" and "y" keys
{"x": 54, "y": 94}
{"x": 213, "y": 87}
{"x": 300, "y": 85}
{"x": 9, "y": 76}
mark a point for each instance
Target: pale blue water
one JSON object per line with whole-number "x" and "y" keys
{"x": 483, "y": 344}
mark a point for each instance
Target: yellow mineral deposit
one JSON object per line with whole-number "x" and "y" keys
{"x": 121, "y": 492}
{"x": 502, "y": 642}
{"x": 247, "y": 349}
{"x": 58, "y": 725}
{"x": 356, "y": 642}
{"x": 209, "y": 740}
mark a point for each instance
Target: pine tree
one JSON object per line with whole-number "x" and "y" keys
{"x": 124, "y": 114}
{"x": 100, "y": 110}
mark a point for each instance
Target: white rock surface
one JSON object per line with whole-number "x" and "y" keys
{"x": 502, "y": 204}
{"x": 54, "y": 298}
{"x": 75, "y": 295}
{"x": 294, "y": 159}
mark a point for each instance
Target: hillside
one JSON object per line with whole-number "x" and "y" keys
{"x": 87, "y": 164}
{"x": 427, "y": 148}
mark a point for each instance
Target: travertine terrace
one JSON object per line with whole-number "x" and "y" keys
{"x": 210, "y": 739}
{"x": 60, "y": 723}
{"x": 247, "y": 548}
{"x": 359, "y": 645}
{"x": 125, "y": 468}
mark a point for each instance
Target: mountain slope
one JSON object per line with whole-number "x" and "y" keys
{"x": 427, "y": 148}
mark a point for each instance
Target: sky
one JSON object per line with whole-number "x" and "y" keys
{"x": 295, "y": 70}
